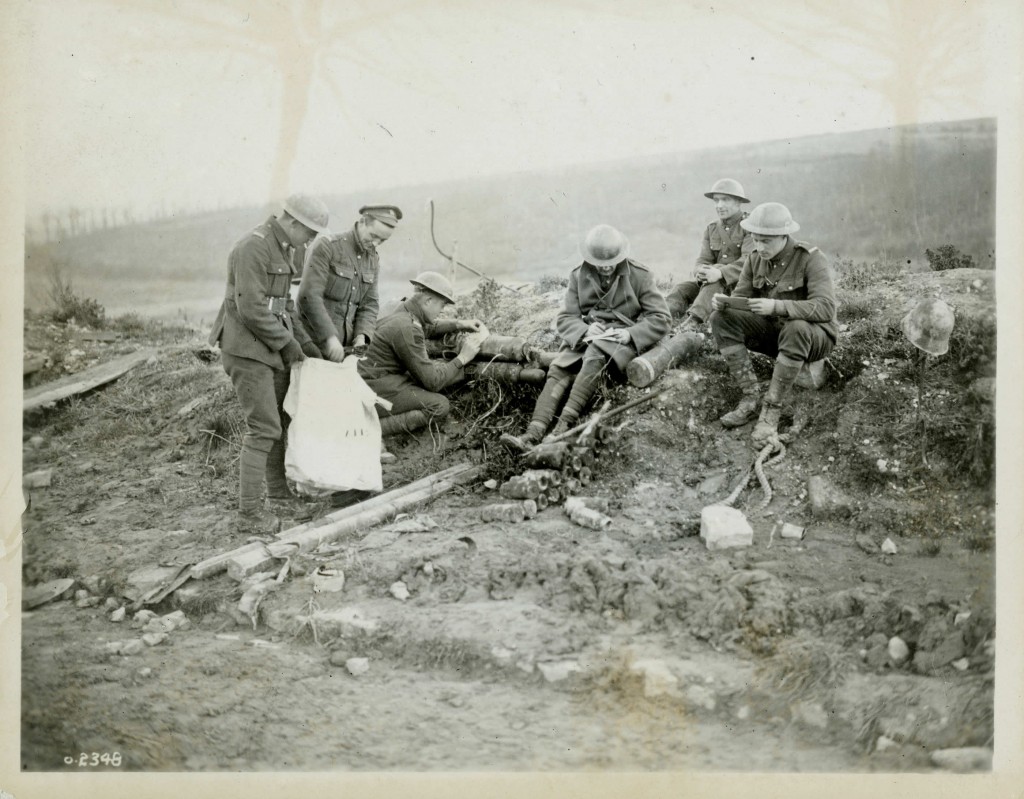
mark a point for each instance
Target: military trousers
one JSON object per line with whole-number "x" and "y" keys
{"x": 260, "y": 390}
{"x": 405, "y": 395}
{"x": 771, "y": 335}
{"x": 695, "y": 297}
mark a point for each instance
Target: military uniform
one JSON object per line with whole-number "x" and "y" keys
{"x": 799, "y": 280}
{"x": 398, "y": 368}
{"x": 254, "y": 324}
{"x": 723, "y": 246}
{"x": 338, "y": 295}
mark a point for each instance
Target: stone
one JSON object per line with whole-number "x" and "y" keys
{"x": 113, "y": 647}
{"x": 866, "y": 543}
{"x": 88, "y": 602}
{"x": 135, "y": 647}
{"x": 158, "y": 626}
{"x": 877, "y": 657}
{"x": 176, "y": 620}
{"x": 951, "y": 648}
{"x": 961, "y": 665}
{"x": 966, "y": 759}
{"x": 722, "y": 527}
{"x": 827, "y": 500}
{"x": 743, "y": 712}
{"x": 399, "y": 590}
{"x": 793, "y": 531}
{"x": 145, "y": 672}
{"x": 701, "y": 696}
{"x": 883, "y": 743}
{"x": 42, "y": 478}
{"x": 153, "y": 639}
{"x": 961, "y": 618}
{"x": 142, "y": 617}
{"x": 898, "y": 650}
{"x": 111, "y": 604}
{"x": 117, "y": 615}
{"x": 338, "y": 657}
{"x": 558, "y": 671}
{"x": 888, "y": 547}
{"x": 658, "y": 677}
{"x": 357, "y": 666}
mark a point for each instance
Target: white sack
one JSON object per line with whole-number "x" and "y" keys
{"x": 334, "y": 436}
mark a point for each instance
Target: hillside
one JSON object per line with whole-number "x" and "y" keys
{"x": 869, "y": 195}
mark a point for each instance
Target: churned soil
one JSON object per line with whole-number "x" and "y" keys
{"x": 539, "y": 645}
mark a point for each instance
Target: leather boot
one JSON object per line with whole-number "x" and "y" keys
{"x": 252, "y": 518}
{"x": 677, "y": 305}
{"x": 738, "y": 360}
{"x": 533, "y": 435}
{"x": 407, "y": 422}
{"x": 783, "y": 377}
{"x": 543, "y": 412}
{"x": 277, "y": 482}
{"x": 690, "y": 324}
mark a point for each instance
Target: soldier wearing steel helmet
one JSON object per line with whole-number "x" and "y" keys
{"x": 790, "y": 315}
{"x": 338, "y": 295}
{"x": 717, "y": 269}
{"x": 613, "y": 311}
{"x": 397, "y": 366}
{"x": 255, "y": 329}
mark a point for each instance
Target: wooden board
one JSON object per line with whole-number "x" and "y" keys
{"x": 50, "y": 393}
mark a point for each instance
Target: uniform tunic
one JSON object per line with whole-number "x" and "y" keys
{"x": 723, "y": 246}
{"x": 628, "y": 299}
{"x": 397, "y": 362}
{"x": 338, "y": 295}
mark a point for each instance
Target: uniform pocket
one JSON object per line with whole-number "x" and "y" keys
{"x": 339, "y": 282}
{"x": 279, "y": 277}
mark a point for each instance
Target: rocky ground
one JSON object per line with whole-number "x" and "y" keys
{"x": 867, "y": 645}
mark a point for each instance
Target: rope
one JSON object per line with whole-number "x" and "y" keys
{"x": 776, "y": 445}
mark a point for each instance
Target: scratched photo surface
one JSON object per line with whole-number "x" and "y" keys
{"x": 762, "y": 540}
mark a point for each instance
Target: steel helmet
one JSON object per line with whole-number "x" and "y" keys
{"x": 435, "y": 283}
{"x": 770, "y": 219}
{"x": 928, "y": 326}
{"x": 727, "y": 186}
{"x": 604, "y": 246}
{"x": 308, "y": 210}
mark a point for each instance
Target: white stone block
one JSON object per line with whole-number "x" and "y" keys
{"x": 723, "y": 527}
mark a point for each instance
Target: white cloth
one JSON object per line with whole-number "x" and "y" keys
{"x": 334, "y": 436}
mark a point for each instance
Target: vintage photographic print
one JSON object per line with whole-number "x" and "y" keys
{"x": 495, "y": 389}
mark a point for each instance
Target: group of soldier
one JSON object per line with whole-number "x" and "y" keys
{"x": 757, "y": 287}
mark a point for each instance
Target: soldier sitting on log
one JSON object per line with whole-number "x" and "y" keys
{"x": 717, "y": 269}
{"x": 398, "y": 367}
{"x": 613, "y": 311}
{"x": 783, "y": 306}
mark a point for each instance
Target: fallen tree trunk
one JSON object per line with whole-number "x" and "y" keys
{"x": 307, "y": 537}
{"x": 51, "y": 393}
{"x": 218, "y": 563}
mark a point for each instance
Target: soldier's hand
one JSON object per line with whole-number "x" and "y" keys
{"x": 718, "y": 301}
{"x": 470, "y": 348}
{"x": 471, "y": 325}
{"x": 359, "y": 345}
{"x": 712, "y": 274}
{"x": 595, "y": 329}
{"x": 333, "y": 350}
{"x": 311, "y": 350}
{"x": 761, "y": 306}
{"x": 292, "y": 353}
{"x": 620, "y": 336}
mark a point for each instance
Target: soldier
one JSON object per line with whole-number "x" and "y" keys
{"x": 397, "y": 366}
{"x": 338, "y": 293}
{"x": 254, "y": 329}
{"x": 613, "y": 311}
{"x": 718, "y": 265}
{"x": 790, "y": 315}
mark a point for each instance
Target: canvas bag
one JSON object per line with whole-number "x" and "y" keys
{"x": 334, "y": 436}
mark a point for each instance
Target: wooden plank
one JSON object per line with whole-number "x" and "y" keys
{"x": 50, "y": 393}
{"x": 218, "y": 563}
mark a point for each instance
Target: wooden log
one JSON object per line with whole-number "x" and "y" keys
{"x": 307, "y": 539}
{"x": 504, "y": 372}
{"x": 50, "y": 393}
{"x": 648, "y": 367}
{"x": 218, "y": 563}
{"x": 512, "y": 349}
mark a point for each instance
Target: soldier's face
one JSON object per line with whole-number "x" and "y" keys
{"x": 432, "y": 306}
{"x": 726, "y": 206}
{"x": 376, "y": 232}
{"x": 769, "y": 246}
{"x": 298, "y": 234}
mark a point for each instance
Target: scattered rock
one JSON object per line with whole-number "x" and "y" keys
{"x": 338, "y": 657}
{"x": 177, "y": 620}
{"x": 952, "y": 648}
{"x": 117, "y": 615}
{"x": 866, "y": 543}
{"x": 399, "y": 590}
{"x": 111, "y": 604}
{"x": 743, "y": 712}
{"x": 898, "y": 650}
{"x": 158, "y": 626}
{"x": 38, "y": 479}
{"x": 961, "y": 665}
{"x": 884, "y": 743}
{"x": 701, "y": 696}
{"x": 37, "y": 595}
{"x": 491, "y": 484}
{"x": 658, "y": 677}
{"x": 135, "y": 647}
{"x": 877, "y": 657}
{"x": 114, "y": 647}
{"x": 558, "y": 670}
{"x": 791, "y": 531}
{"x": 142, "y": 617}
{"x": 961, "y": 618}
{"x": 357, "y": 666}
{"x": 145, "y": 672}
{"x": 723, "y": 527}
{"x": 827, "y": 500}
{"x": 87, "y": 601}
{"x": 152, "y": 639}
{"x": 969, "y": 758}
{"x": 888, "y": 547}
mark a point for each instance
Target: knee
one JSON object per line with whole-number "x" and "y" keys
{"x": 437, "y": 407}
{"x": 795, "y": 339}
{"x": 724, "y": 324}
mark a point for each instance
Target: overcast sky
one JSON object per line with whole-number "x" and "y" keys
{"x": 138, "y": 102}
